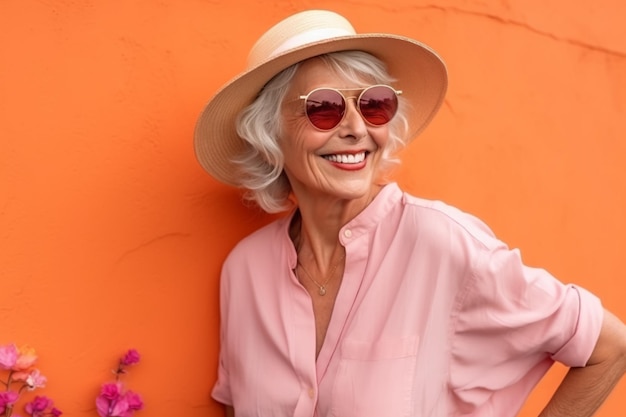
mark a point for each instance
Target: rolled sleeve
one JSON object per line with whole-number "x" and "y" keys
{"x": 577, "y": 351}
{"x": 221, "y": 389}
{"x": 512, "y": 322}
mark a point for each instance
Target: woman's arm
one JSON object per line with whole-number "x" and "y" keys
{"x": 583, "y": 390}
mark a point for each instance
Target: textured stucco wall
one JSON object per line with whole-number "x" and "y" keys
{"x": 112, "y": 237}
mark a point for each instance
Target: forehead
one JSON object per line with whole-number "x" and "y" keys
{"x": 315, "y": 72}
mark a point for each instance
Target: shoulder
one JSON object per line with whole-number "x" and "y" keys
{"x": 439, "y": 219}
{"x": 260, "y": 244}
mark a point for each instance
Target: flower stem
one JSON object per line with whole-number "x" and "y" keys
{"x": 22, "y": 388}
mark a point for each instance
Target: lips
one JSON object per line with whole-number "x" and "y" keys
{"x": 352, "y": 158}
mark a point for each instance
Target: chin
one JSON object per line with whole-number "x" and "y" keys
{"x": 355, "y": 190}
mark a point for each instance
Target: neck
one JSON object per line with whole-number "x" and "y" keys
{"x": 315, "y": 227}
{"x": 318, "y": 246}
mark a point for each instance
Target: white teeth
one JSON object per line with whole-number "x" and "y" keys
{"x": 346, "y": 159}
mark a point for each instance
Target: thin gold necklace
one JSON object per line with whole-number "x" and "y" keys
{"x": 322, "y": 287}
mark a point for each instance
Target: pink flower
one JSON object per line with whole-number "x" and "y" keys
{"x": 25, "y": 359}
{"x": 120, "y": 408}
{"x": 35, "y": 380}
{"x": 134, "y": 401}
{"x": 8, "y": 356}
{"x": 38, "y": 406}
{"x": 111, "y": 391}
{"x": 130, "y": 358}
{"x": 112, "y": 403}
{"x": 113, "y": 400}
{"x": 41, "y": 406}
{"x": 32, "y": 379}
{"x": 7, "y": 398}
{"x": 102, "y": 406}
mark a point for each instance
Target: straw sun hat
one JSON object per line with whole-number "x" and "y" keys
{"x": 420, "y": 74}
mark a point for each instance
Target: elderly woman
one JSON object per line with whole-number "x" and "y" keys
{"x": 364, "y": 300}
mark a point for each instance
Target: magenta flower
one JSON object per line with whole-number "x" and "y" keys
{"x": 41, "y": 406}
{"x": 110, "y": 400}
{"x": 120, "y": 409}
{"x": 103, "y": 406}
{"x": 134, "y": 401}
{"x": 113, "y": 400}
{"x": 7, "y": 398}
{"x": 130, "y": 358}
{"x": 111, "y": 391}
{"x": 38, "y": 406}
{"x": 122, "y": 406}
{"x": 8, "y": 356}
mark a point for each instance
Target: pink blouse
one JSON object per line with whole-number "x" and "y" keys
{"x": 435, "y": 317}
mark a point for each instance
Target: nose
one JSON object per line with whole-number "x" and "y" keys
{"x": 352, "y": 126}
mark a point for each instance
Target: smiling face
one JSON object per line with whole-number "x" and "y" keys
{"x": 342, "y": 163}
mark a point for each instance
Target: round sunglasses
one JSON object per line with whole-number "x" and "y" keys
{"x": 325, "y": 108}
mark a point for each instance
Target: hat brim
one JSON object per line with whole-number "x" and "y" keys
{"x": 420, "y": 72}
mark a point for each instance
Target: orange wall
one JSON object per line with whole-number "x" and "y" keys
{"x": 112, "y": 237}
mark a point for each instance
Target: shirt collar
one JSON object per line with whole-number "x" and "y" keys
{"x": 364, "y": 222}
{"x": 373, "y": 214}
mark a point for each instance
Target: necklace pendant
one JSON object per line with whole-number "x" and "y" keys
{"x": 322, "y": 290}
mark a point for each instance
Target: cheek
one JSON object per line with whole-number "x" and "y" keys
{"x": 380, "y": 136}
{"x": 298, "y": 139}
{"x": 291, "y": 143}
{"x": 293, "y": 127}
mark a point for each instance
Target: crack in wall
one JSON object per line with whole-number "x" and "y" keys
{"x": 526, "y": 26}
{"x": 148, "y": 243}
{"x": 523, "y": 25}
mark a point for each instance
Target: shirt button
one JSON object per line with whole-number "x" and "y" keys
{"x": 347, "y": 233}
{"x": 311, "y": 393}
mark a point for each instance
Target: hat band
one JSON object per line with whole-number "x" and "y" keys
{"x": 309, "y": 37}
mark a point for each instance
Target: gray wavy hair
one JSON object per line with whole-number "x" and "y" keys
{"x": 259, "y": 125}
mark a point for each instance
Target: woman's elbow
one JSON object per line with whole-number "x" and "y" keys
{"x": 610, "y": 348}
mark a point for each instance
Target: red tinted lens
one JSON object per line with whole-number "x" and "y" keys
{"x": 325, "y": 108}
{"x": 378, "y": 104}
